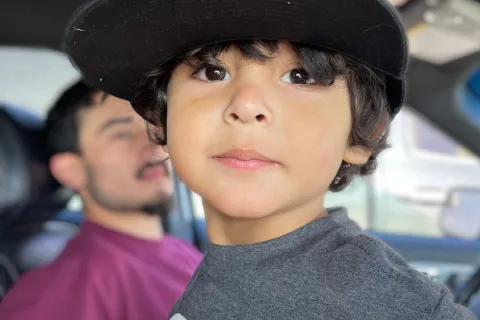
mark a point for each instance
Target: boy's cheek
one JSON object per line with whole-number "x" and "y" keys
{"x": 321, "y": 158}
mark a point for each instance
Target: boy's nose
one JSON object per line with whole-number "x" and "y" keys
{"x": 248, "y": 105}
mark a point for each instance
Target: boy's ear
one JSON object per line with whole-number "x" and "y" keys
{"x": 357, "y": 155}
{"x": 67, "y": 168}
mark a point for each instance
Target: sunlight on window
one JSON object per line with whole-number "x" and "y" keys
{"x": 198, "y": 212}
{"x": 430, "y": 139}
{"x": 75, "y": 203}
{"x": 52, "y": 69}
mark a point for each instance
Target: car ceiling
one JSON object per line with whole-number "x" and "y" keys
{"x": 35, "y": 23}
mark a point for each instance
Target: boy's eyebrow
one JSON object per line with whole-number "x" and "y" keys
{"x": 195, "y": 60}
{"x": 114, "y": 121}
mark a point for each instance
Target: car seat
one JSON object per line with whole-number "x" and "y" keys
{"x": 29, "y": 198}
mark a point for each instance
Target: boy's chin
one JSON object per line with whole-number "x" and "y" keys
{"x": 241, "y": 208}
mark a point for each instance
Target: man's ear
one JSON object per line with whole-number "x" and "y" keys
{"x": 67, "y": 168}
{"x": 165, "y": 148}
{"x": 357, "y": 155}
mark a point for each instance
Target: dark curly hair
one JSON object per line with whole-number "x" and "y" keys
{"x": 369, "y": 105}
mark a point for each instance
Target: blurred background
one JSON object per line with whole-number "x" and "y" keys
{"x": 423, "y": 200}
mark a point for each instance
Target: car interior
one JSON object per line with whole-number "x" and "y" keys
{"x": 34, "y": 222}
{"x": 29, "y": 198}
{"x": 38, "y": 216}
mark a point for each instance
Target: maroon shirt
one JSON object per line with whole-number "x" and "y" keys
{"x": 103, "y": 275}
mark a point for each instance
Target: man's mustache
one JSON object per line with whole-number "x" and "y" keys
{"x": 148, "y": 165}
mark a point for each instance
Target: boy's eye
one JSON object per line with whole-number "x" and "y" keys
{"x": 212, "y": 73}
{"x": 297, "y": 76}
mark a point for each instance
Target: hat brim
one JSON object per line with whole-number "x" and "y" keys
{"x": 114, "y": 43}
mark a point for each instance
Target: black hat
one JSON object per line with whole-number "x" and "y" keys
{"x": 114, "y": 43}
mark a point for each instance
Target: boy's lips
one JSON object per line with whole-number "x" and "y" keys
{"x": 244, "y": 159}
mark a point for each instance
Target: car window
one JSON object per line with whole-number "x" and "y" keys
{"x": 429, "y": 139}
{"x": 33, "y": 78}
{"x": 408, "y": 192}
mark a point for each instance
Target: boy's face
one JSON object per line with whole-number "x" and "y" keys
{"x": 247, "y": 106}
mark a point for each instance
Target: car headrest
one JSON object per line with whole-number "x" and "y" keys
{"x": 28, "y": 193}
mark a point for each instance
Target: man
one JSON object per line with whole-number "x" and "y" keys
{"x": 121, "y": 265}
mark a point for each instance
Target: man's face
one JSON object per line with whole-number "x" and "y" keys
{"x": 220, "y": 117}
{"x": 123, "y": 169}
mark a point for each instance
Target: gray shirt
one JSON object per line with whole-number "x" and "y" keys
{"x": 328, "y": 270}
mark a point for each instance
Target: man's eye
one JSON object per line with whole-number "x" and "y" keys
{"x": 212, "y": 73}
{"x": 297, "y": 76}
{"x": 123, "y": 135}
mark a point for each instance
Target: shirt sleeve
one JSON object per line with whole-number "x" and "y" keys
{"x": 66, "y": 295}
{"x": 449, "y": 310}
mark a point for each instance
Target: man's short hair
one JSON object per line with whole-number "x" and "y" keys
{"x": 62, "y": 123}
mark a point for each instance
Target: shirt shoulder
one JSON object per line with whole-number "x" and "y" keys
{"x": 407, "y": 289}
{"x": 181, "y": 249}
{"x": 75, "y": 283}
{"x": 447, "y": 309}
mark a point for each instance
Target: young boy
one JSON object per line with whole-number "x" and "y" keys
{"x": 264, "y": 106}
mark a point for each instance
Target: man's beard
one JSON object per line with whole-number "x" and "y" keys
{"x": 158, "y": 207}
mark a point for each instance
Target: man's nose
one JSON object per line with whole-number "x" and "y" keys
{"x": 248, "y": 105}
{"x": 150, "y": 150}
{"x": 156, "y": 152}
